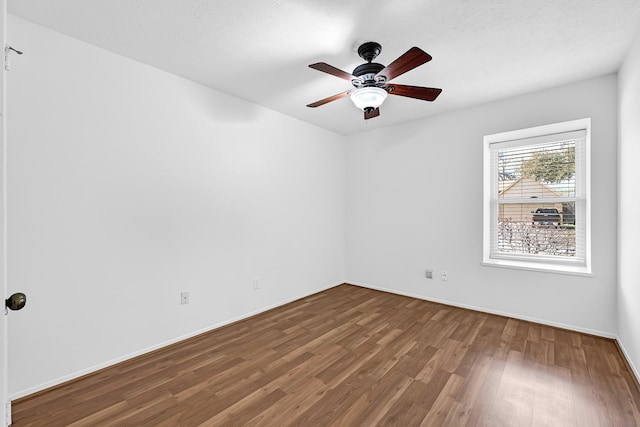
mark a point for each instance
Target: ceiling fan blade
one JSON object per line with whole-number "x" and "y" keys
{"x": 329, "y": 99}
{"x": 330, "y": 69}
{"x": 417, "y": 92}
{"x": 372, "y": 114}
{"x": 409, "y": 60}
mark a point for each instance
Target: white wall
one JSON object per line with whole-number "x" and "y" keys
{"x": 128, "y": 185}
{"x": 629, "y": 207}
{"x": 415, "y": 201}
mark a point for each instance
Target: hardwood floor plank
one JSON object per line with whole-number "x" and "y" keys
{"x": 352, "y": 356}
{"x": 482, "y": 410}
{"x": 290, "y": 407}
{"x": 515, "y": 393}
{"x": 444, "y": 403}
{"x": 474, "y": 380}
{"x": 416, "y": 401}
{"x": 375, "y": 401}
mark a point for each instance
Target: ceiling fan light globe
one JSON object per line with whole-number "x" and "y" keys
{"x": 368, "y": 97}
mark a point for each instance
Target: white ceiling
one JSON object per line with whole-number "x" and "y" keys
{"x": 260, "y": 50}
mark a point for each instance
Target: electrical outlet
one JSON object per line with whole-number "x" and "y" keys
{"x": 444, "y": 276}
{"x": 184, "y": 298}
{"x": 256, "y": 283}
{"x": 428, "y": 274}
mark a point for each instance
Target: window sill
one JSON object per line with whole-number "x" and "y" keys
{"x": 577, "y": 270}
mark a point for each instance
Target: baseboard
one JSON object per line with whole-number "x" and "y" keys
{"x": 83, "y": 372}
{"x": 633, "y": 367}
{"x": 491, "y": 311}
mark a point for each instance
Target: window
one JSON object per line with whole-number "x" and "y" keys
{"x": 536, "y": 198}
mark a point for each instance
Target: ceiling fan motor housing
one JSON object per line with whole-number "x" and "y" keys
{"x": 366, "y": 74}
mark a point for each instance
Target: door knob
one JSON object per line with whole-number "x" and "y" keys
{"x": 16, "y": 301}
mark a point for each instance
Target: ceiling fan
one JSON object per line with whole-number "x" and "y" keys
{"x": 371, "y": 80}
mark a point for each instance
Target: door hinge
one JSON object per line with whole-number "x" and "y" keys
{"x": 7, "y": 416}
{"x": 7, "y": 51}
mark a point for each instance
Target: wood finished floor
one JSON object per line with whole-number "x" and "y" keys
{"x": 351, "y": 356}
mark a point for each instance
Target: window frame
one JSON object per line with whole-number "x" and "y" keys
{"x": 524, "y": 261}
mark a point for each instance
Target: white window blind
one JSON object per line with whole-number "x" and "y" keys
{"x": 536, "y": 198}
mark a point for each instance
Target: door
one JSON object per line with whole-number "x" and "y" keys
{"x": 3, "y": 218}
